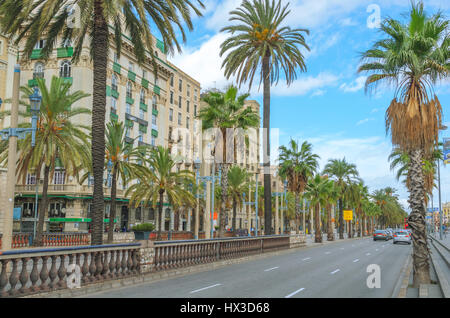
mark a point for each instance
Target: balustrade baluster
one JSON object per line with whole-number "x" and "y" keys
{"x": 99, "y": 266}
{"x": 130, "y": 262}
{"x": 92, "y": 267}
{"x": 34, "y": 276}
{"x": 85, "y": 269}
{"x": 53, "y": 272}
{"x": 3, "y": 278}
{"x": 13, "y": 278}
{"x": 124, "y": 263}
{"x": 136, "y": 262}
{"x": 24, "y": 276}
{"x": 62, "y": 272}
{"x": 118, "y": 274}
{"x": 112, "y": 260}
{"x": 105, "y": 266}
{"x": 44, "y": 274}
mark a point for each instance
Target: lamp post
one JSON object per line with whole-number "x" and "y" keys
{"x": 442, "y": 128}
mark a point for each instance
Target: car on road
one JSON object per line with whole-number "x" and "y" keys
{"x": 380, "y": 235}
{"x": 402, "y": 237}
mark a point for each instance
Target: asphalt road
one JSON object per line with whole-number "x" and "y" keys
{"x": 334, "y": 270}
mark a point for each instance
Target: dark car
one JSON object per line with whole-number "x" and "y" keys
{"x": 380, "y": 235}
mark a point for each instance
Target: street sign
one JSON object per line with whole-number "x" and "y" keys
{"x": 348, "y": 215}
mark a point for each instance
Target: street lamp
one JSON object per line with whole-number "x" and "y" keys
{"x": 35, "y": 105}
{"x": 442, "y": 128}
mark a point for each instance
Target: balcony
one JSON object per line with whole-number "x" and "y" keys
{"x": 145, "y": 83}
{"x": 157, "y": 90}
{"x": 36, "y": 54}
{"x": 117, "y": 67}
{"x": 65, "y": 52}
{"x": 37, "y": 75}
{"x": 129, "y": 100}
{"x": 132, "y": 76}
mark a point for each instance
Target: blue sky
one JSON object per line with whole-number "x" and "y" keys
{"x": 327, "y": 105}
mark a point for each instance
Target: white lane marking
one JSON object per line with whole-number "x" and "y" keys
{"x": 334, "y": 272}
{"x": 305, "y": 259}
{"x": 356, "y": 260}
{"x": 198, "y": 290}
{"x": 368, "y": 254}
{"x": 292, "y": 294}
{"x": 271, "y": 269}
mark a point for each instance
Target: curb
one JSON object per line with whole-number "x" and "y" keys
{"x": 401, "y": 286}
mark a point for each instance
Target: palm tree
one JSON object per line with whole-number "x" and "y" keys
{"x": 343, "y": 173}
{"x": 161, "y": 177}
{"x": 297, "y": 166}
{"x": 60, "y": 141}
{"x": 125, "y": 162}
{"x": 412, "y": 58}
{"x": 333, "y": 195}
{"x": 260, "y": 41}
{"x": 226, "y": 111}
{"x": 317, "y": 190}
{"x": 238, "y": 184}
{"x": 30, "y": 19}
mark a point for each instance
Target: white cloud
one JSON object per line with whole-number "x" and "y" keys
{"x": 355, "y": 86}
{"x": 363, "y": 121}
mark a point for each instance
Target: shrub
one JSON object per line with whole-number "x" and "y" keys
{"x": 145, "y": 227}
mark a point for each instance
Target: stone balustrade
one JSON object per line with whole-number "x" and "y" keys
{"x": 25, "y": 272}
{"x": 33, "y": 271}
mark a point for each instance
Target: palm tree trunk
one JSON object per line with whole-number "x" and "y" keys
{"x": 100, "y": 60}
{"x": 224, "y": 185}
{"x": 160, "y": 210}
{"x": 266, "y": 146}
{"x": 341, "y": 220}
{"x": 43, "y": 207}
{"x": 234, "y": 216}
{"x": 112, "y": 211}
{"x": 421, "y": 253}
{"x": 318, "y": 233}
{"x": 297, "y": 212}
{"x": 329, "y": 227}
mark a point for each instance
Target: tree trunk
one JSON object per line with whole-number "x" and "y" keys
{"x": 223, "y": 212}
{"x": 341, "y": 220}
{"x": 297, "y": 212}
{"x": 43, "y": 207}
{"x": 234, "y": 216}
{"x": 318, "y": 232}
{"x": 266, "y": 146}
{"x": 330, "y": 236}
{"x": 421, "y": 253}
{"x": 100, "y": 60}
{"x": 112, "y": 210}
{"x": 160, "y": 209}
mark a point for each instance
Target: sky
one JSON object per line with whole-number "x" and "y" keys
{"x": 326, "y": 105}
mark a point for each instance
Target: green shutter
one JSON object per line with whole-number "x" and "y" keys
{"x": 160, "y": 46}
{"x": 116, "y": 67}
{"x": 132, "y": 76}
{"x": 65, "y": 52}
{"x": 114, "y": 117}
{"x": 143, "y": 107}
{"x": 32, "y": 83}
{"x": 157, "y": 90}
{"x": 144, "y": 83}
{"x": 108, "y": 90}
{"x": 129, "y": 100}
{"x": 154, "y": 133}
{"x": 129, "y": 123}
{"x": 68, "y": 80}
{"x": 143, "y": 128}
{"x": 36, "y": 54}
{"x": 114, "y": 93}
{"x": 155, "y": 112}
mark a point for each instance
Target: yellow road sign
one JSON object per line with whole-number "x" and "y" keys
{"x": 348, "y": 215}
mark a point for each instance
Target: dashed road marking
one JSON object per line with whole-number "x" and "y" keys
{"x": 334, "y": 272}
{"x": 198, "y": 290}
{"x": 271, "y": 269}
{"x": 292, "y": 294}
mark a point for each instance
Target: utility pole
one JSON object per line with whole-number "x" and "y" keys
{"x": 8, "y": 205}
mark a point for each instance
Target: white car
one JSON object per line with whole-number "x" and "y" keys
{"x": 402, "y": 236}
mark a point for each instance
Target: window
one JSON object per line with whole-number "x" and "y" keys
{"x": 116, "y": 58}
{"x": 28, "y": 210}
{"x": 128, "y": 109}
{"x": 141, "y": 114}
{"x": 180, "y": 85}
{"x": 138, "y": 214}
{"x": 114, "y": 103}
{"x": 170, "y": 133}
{"x": 114, "y": 82}
{"x": 142, "y": 97}
{"x": 66, "y": 69}
{"x": 154, "y": 102}
{"x": 1, "y": 47}
{"x": 57, "y": 209}
{"x": 31, "y": 179}
{"x": 179, "y": 118}
{"x": 171, "y": 114}
{"x": 129, "y": 90}
{"x": 67, "y": 43}
{"x": 127, "y": 132}
{"x": 38, "y": 70}
{"x": 187, "y": 106}
{"x": 171, "y": 98}
{"x": 131, "y": 67}
{"x": 153, "y": 120}
{"x": 144, "y": 74}
{"x": 188, "y": 90}
{"x": 153, "y": 141}
{"x": 179, "y": 101}
{"x": 40, "y": 44}
{"x": 140, "y": 137}
{"x": 187, "y": 122}
{"x": 59, "y": 176}
{"x": 171, "y": 81}
{"x": 195, "y": 110}
{"x": 151, "y": 214}
{"x": 195, "y": 94}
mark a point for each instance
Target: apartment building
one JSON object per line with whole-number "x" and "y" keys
{"x": 8, "y": 58}
{"x": 136, "y": 96}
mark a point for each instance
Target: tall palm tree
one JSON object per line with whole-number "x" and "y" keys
{"x": 297, "y": 166}
{"x": 161, "y": 177}
{"x": 60, "y": 142}
{"x": 343, "y": 173}
{"x": 412, "y": 57}
{"x": 237, "y": 185}
{"x": 260, "y": 41}
{"x": 125, "y": 162}
{"x": 30, "y": 19}
{"x": 225, "y": 111}
{"x": 333, "y": 195}
{"x": 316, "y": 192}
